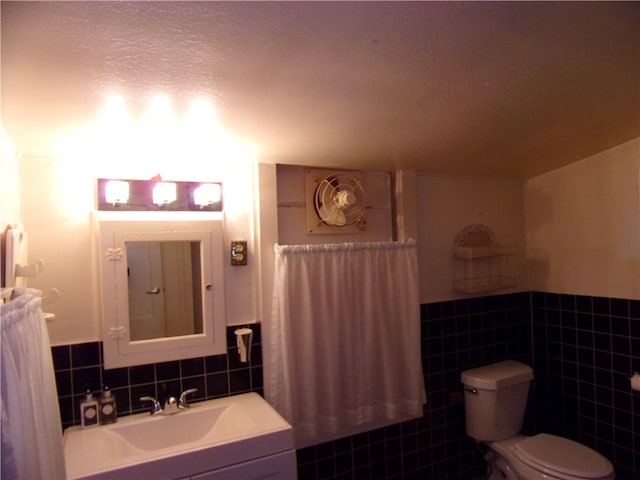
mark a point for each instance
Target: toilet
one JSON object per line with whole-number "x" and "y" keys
{"x": 495, "y": 401}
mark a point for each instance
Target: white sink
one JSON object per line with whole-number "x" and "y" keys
{"x": 209, "y": 435}
{"x": 155, "y": 433}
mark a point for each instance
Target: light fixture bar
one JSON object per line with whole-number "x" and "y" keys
{"x": 154, "y": 195}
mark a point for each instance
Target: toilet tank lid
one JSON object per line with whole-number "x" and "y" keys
{"x": 497, "y": 375}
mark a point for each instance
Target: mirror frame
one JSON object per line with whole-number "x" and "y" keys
{"x": 114, "y": 233}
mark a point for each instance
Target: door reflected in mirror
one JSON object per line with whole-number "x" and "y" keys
{"x": 164, "y": 285}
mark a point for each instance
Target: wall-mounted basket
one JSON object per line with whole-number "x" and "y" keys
{"x": 480, "y": 263}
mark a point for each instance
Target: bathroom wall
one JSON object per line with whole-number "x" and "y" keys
{"x": 585, "y": 350}
{"x": 9, "y": 183}
{"x": 80, "y": 366}
{"x": 446, "y": 205}
{"x": 435, "y": 446}
{"x": 584, "y": 320}
{"x": 56, "y": 199}
{"x": 292, "y": 198}
{"x": 567, "y": 222}
{"x": 583, "y": 256}
{"x": 583, "y": 226}
{"x": 456, "y": 335}
{"x": 580, "y": 348}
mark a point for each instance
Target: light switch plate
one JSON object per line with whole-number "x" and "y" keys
{"x": 238, "y": 252}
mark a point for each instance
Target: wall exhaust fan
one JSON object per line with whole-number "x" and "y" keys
{"x": 335, "y": 202}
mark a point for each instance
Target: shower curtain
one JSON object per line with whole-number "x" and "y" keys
{"x": 31, "y": 429}
{"x": 345, "y": 336}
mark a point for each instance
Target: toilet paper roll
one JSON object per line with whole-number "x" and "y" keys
{"x": 635, "y": 381}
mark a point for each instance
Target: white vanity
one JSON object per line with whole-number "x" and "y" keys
{"x": 237, "y": 437}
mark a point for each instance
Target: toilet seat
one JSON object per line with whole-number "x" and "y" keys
{"x": 562, "y": 458}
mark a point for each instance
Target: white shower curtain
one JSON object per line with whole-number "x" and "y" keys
{"x": 345, "y": 336}
{"x": 31, "y": 429}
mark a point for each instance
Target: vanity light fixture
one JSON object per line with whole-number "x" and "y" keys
{"x": 154, "y": 195}
{"x": 116, "y": 192}
{"x": 207, "y": 194}
{"x": 164, "y": 193}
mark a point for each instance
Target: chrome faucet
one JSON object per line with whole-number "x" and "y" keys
{"x": 171, "y": 405}
{"x": 183, "y": 402}
{"x": 156, "y": 409}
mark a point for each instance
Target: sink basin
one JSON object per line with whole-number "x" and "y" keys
{"x": 209, "y": 435}
{"x": 158, "y": 432}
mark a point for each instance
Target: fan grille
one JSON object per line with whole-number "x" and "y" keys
{"x": 337, "y": 202}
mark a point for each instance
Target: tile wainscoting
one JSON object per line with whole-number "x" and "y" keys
{"x": 455, "y": 335}
{"x": 80, "y": 366}
{"x": 583, "y": 350}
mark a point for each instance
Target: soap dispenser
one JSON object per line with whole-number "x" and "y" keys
{"x": 108, "y": 411}
{"x": 89, "y": 410}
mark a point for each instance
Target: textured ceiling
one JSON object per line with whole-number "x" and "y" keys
{"x": 474, "y": 88}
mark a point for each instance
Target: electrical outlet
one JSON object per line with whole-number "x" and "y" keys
{"x": 239, "y": 252}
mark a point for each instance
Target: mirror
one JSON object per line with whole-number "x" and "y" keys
{"x": 164, "y": 285}
{"x": 162, "y": 288}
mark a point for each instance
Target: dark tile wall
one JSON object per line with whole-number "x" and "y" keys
{"x": 80, "y": 366}
{"x": 586, "y": 348}
{"x": 456, "y": 335}
{"x": 583, "y": 350}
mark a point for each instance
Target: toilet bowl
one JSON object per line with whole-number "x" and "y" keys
{"x": 495, "y": 402}
{"x": 546, "y": 457}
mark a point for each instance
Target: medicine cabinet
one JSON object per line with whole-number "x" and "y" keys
{"x": 162, "y": 287}
{"x": 480, "y": 263}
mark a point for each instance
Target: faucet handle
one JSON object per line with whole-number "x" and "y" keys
{"x": 183, "y": 402}
{"x": 156, "y": 409}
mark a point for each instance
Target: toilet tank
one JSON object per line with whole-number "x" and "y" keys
{"x": 495, "y": 399}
